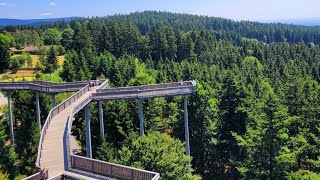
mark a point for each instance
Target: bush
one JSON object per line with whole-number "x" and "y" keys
{"x": 60, "y": 50}
{"x": 160, "y": 153}
{"x": 303, "y": 175}
{"x": 16, "y": 63}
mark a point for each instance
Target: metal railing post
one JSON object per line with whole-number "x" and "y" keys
{"x": 88, "y": 133}
{"x": 10, "y": 118}
{"x": 53, "y": 100}
{"x": 141, "y": 118}
{"x": 101, "y": 120}
{"x": 38, "y": 109}
{"x": 186, "y": 126}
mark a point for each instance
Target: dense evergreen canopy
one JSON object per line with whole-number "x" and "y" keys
{"x": 255, "y": 114}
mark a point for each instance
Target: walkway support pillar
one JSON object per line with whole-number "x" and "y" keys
{"x": 10, "y": 118}
{"x": 53, "y": 100}
{"x": 101, "y": 120}
{"x": 88, "y": 132}
{"x": 186, "y": 126}
{"x": 38, "y": 110}
{"x": 141, "y": 118}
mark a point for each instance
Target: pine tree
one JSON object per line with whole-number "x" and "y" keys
{"x": 265, "y": 142}
{"x": 203, "y": 115}
{"x": 4, "y": 52}
{"x": 7, "y": 154}
{"x": 68, "y": 73}
{"x": 27, "y": 134}
{"x": 232, "y": 119}
{"x": 106, "y": 152}
{"x": 51, "y": 61}
{"x": 67, "y": 40}
{"x": 82, "y": 39}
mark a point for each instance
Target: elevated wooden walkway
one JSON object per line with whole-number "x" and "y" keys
{"x": 146, "y": 91}
{"x": 53, "y": 156}
{"x": 55, "y": 151}
{"x": 43, "y": 86}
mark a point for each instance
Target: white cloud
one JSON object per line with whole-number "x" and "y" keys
{"x": 46, "y": 14}
{"x": 52, "y": 4}
{"x": 3, "y": 4}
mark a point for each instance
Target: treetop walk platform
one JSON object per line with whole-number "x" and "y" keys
{"x": 55, "y": 151}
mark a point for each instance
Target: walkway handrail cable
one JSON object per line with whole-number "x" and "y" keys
{"x": 53, "y": 112}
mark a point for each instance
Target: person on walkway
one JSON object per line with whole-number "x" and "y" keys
{"x": 42, "y": 174}
{"x": 97, "y": 81}
{"x": 90, "y": 85}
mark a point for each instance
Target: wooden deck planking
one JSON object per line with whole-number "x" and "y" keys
{"x": 53, "y": 154}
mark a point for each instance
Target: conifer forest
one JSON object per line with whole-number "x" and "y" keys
{"x": 255, "y": 113}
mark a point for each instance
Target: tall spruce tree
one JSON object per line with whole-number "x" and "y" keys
{"x": 51, "y": 61}
{"x": 4, "y": 51}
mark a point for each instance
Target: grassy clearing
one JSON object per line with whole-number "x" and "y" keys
{"x": 60, "y": 60}
{"x": 26, "y": 74}
{"x": 19, "y": 75}
{"x": 35, "y": 59}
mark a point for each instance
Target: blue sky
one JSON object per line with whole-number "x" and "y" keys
{"x": 233, "y": 9}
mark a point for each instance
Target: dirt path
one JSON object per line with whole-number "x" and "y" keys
{"x": 3, "y": 100}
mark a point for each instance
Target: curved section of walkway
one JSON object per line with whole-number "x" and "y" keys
{"x": 56, "y": 155}
{"x": 101, "y": 169}
{"x": 52, "y": 152}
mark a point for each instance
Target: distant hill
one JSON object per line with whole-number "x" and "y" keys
{"x": 301, "y": 21}
{"x": 30, "y": 22}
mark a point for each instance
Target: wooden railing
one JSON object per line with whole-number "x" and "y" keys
{"x": 100, "y": 167}
{"x": 36, "y": 176}
{"x": 111, "y": 170}
{"x": 66, "y": 177}
{"x": 148, "y": 91}
{"x": 104, "y": 84}
{"x": 53, "y": 112}
{"x": 150, "y": 87}
{"x": 43, "y": 86}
